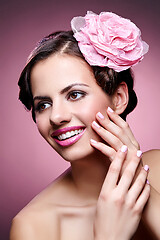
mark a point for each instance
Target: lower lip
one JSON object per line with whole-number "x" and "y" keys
{"x": 69, "y": 141}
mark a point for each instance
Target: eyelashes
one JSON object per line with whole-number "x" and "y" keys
{"x": 71, "y": 96}
{"x": 41, "y": 106}
{"x": 75, "y": 95}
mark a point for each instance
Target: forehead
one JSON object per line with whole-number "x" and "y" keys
{"x": 60, "y": 71}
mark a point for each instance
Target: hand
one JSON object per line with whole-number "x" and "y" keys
{"x": 115, "y": 132}
{"x": 120, "y": 204}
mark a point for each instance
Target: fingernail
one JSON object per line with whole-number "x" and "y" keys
{"x": 93, "y": 141}
{"x": 110, "y": 109}
{"x": 147, "y": 181}
{"x": 100, "y": 115}
{"x": 96, "y": 124}
{"x": 146, "y": 168}
{"x": 139, "y": 153}
{"x": 124, "y": 148}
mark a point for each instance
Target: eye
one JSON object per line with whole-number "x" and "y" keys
{"x": 75, "y": 95}
{"x": 41, "y": 106}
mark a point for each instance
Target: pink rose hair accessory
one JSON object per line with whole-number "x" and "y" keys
{"x": 109, "y": 40}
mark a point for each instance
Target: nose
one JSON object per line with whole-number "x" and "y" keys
{"x": 60, "y": 114}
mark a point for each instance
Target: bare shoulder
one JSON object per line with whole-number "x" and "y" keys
{"x": 38, "y": 220}
{"x": 152, "y": 210}
{"x": 152, "y": 159}
{"x": 154, "y": 154}
{"x": 34, "y": 225}
{"x": 21, "y": 228}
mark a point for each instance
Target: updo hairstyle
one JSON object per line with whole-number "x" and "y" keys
{"x": 63, "y": 42}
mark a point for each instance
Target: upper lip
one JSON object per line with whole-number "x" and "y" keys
{"x": 64, "y": 130}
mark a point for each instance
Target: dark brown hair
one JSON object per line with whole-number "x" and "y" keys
{"x": 64, "y": 43}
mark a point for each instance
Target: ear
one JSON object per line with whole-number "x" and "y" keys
{"x": 120, "y": 98}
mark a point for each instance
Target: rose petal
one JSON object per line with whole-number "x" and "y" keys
{"x": 109, "y": 40}
{"x": 77, "y": 23}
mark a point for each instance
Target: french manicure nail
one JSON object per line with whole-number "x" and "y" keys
{"x": 93, "y": 141}
{"x": 96, "y": 124}
{"x": 100, "y": 115}
{"x": 124, "y": 148}
{"x": 139, "y": 153}
{"x": 110, "y": 109}
{"x": 147, "y": 181}
{"x": 146, "y": 168}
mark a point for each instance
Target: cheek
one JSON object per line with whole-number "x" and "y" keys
{"x": 42, "y": 126}
{"x": 87, "y": 114}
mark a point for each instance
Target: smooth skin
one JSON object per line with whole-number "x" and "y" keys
{"x": 122, "y": 134}
{"x": 76, "y": 205}
{"x": 121, "y": 201}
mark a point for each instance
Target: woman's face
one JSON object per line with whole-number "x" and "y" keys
{"x": 66, "y": 100}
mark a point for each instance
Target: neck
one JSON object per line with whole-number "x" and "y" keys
{"x": 89, "y": 174}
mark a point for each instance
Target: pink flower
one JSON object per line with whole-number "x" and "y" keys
{"x": 109, "y": 40}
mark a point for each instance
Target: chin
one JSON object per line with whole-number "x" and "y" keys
{"x": 76, "y": 153}
{"x": 80, "y": 150}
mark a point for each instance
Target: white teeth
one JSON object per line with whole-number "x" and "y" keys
{"x": 69, "y": 134}
{"x": 60, "y": 137}
{"x": 63, "y": 135}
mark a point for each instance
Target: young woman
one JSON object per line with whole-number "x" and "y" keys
{"x": 79, "y": 86}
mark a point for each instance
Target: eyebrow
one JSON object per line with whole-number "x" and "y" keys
{"x": 61, "y": 92}
{"x": 72, "y": 85}
{"x": 41, "y": 98}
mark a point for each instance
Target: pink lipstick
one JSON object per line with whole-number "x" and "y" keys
{"x": 69, "y": 139}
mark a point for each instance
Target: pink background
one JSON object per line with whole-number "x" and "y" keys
{"x": 28, "y": 163}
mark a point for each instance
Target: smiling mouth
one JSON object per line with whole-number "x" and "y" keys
{"x": 68, "y": 134}
{"x": 69, "y": 137}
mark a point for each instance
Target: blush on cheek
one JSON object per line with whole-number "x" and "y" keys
{"x": 100, "y": 106}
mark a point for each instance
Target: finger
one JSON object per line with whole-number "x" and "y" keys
{"x": 139, "y": 184}
{"x": 108, "y": 137}
{"x": 113, "y": 174}
{"x": 123, "y": 125}
{"x": 105, "y": 149}
{"x": 114, "y": 129}
{"x": 129, "y": 173}
{"x": 143, "y": 198}
{"x": 119, "y": 121}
